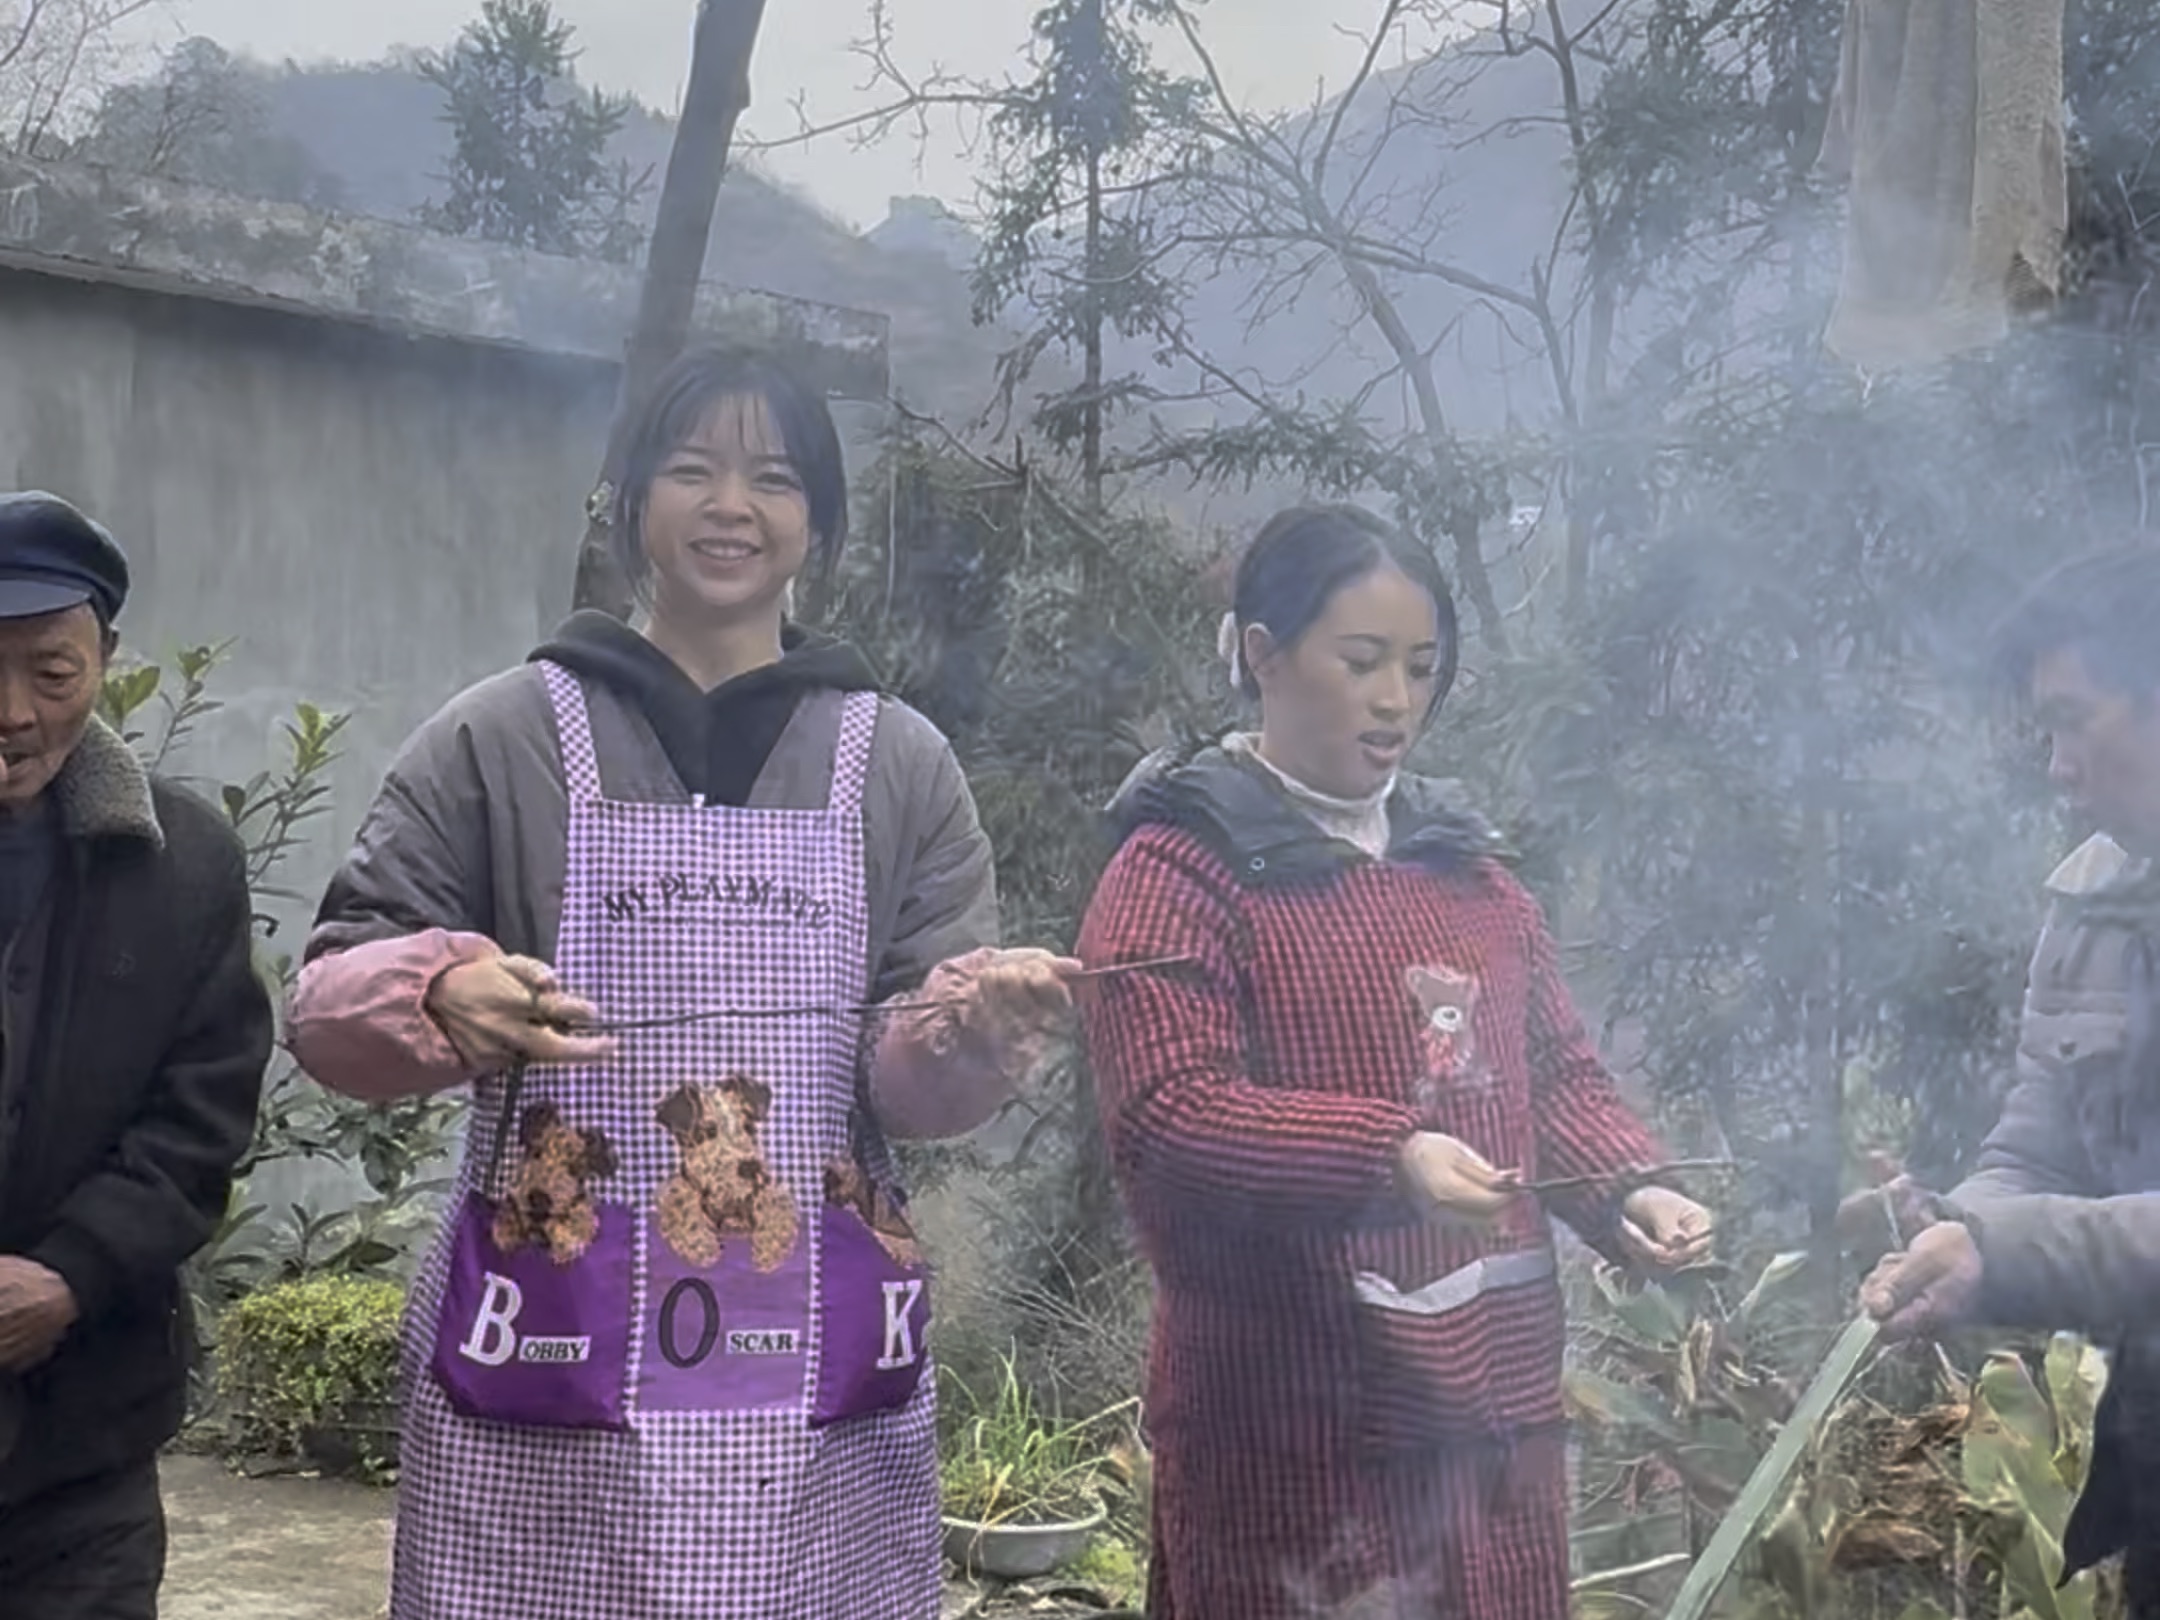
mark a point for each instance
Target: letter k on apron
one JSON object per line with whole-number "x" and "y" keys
{"x": 668, "y": 1359}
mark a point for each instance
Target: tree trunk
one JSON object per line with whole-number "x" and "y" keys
{"x": 1091, "y": 430}
{"x": 1587, "y": 416}
{"x": 718, "y": 92}
{"x": 1589, "y": 481}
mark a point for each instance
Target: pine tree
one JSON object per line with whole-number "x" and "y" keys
{"x": 1064, "y": 236}
{"x": 530, "y": 165}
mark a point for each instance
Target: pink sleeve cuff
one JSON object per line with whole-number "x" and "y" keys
{"x": 930, "y": 1079}
{"x": 358, "y": 1021}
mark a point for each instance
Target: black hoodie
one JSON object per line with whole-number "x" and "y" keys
{"x": 718, "y": 741}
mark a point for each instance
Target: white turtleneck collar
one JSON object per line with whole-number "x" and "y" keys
{"x": 1361, "y": 821}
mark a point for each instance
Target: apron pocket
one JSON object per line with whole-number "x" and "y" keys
{"x": 874, "y": 1293}
{"x": 1474, "y": 1354}
{"x": 527, "y": 1338}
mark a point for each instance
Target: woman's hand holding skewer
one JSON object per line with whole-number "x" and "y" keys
{"x": 952, "y": 1054}
{"x": 1665, "y": 1230}
{"x": 1015, "y": 997}
{"x": 1455, "y": 1178}
{"x": 506, "y": 1010}
{"x": 999, "y": 1008}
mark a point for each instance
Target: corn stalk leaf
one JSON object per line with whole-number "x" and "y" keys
{"x": 1766, "y": 1486}
{"x": 2011, "y": 1477}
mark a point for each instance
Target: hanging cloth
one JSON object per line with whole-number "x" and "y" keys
{"x": 1947, "y": 123}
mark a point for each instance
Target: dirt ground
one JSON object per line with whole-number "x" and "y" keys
{"x": 293, "y": 1548}
{"x": 282, "y": 1548}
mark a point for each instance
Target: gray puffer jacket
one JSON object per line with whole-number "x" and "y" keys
{"x": 2065, "y": 1203}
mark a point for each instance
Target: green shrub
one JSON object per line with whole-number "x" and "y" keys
{"x": 399, "y": 1149}
{"x": 1116, "y": 1567}
{"x": 303, "y": 1358}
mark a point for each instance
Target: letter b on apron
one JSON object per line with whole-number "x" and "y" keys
{"x": 523, "y": 1338}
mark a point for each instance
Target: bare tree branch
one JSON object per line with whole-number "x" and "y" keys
{"x": 902, "y": 98}
{"x": 1321, "y": 207}
{"x": 872, "y": 125}
{"x": 25, "y": 30}
{"x": 1357, "y": 83}
{"x": 56, "y": 58}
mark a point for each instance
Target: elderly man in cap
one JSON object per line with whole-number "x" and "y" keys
{"x": 133, "y": 1036}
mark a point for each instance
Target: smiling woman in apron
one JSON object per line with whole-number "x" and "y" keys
{"x": 1354, "y": 1388}
{"x": 668, "y": 1358}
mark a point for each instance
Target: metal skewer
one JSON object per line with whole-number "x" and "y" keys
{"x": 622, "y": 1026}
{"x": 514, "y": 1076}
{"x": 1643, "y": 1173}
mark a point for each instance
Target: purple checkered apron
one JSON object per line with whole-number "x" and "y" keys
{"x": 765, "y": 1450}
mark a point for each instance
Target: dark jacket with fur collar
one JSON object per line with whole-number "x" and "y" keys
{"x": 1266, "y": 840}
{"x": 136, "y": 1032}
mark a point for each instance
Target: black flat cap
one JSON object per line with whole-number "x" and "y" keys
{"x": 53, "y": 558}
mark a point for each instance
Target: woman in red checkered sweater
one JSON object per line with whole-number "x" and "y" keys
{"x": 1354, "y": 1394}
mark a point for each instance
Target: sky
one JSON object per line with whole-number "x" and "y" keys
{"x": 1274, "y": 52}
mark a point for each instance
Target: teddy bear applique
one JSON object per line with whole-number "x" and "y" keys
{"x": 722, "y": 1187}
{"x": 1446, "y": 1001}
{"x": 549, "y": 1203}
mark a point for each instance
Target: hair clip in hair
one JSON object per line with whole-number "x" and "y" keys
{"x": 600, "y": 506}
{"x": 1228, "y": 648}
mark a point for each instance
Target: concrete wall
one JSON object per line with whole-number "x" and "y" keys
{"x": 377, "y": 520}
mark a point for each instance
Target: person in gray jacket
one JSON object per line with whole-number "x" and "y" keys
{"x": 668, "y": 1356}
{"x": 2059, "y": 1225}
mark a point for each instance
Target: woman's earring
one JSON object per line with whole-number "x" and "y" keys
{"x": 787, "y": 600}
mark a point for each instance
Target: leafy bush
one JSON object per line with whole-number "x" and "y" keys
{"x": 268, "y": 810}
{"x": 301, "y": 1359}
{"x": 1116, "y": 1567}
{"x": 394, "y": 1148}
